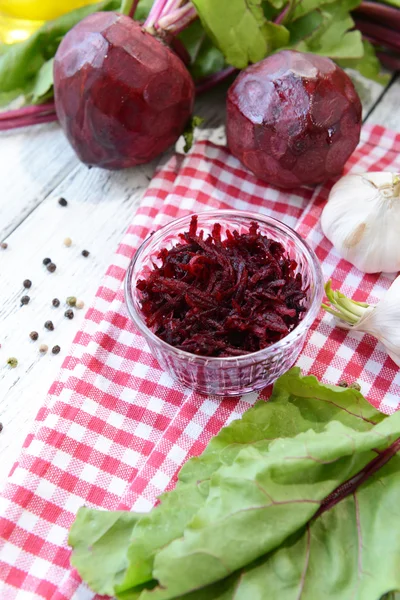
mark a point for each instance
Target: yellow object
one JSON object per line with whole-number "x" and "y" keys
{"x": 20, "y": 18}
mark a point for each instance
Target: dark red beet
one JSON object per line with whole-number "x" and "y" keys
{"x": 293, "y": 118}
{"x": 228, "y": 297}
{"x": 122, "y": 96}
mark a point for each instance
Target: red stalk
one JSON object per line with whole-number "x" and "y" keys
{"x": 379, "y": 13}
{"x": 27, "y": 111}
{"x": 27, "y": 121}
{"x": 209, "y": 82}
{"x": 379, "y": 34}
{"x": 390, "y": 61}
{"x": 133, "y": 9}
{"x": 350, "y": 486}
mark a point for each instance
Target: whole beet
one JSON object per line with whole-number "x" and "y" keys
{"x": 293, "y": 118}
{"x": 122, "y": 96}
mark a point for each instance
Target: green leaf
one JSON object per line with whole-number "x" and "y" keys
{"x": 21, "y": 63}
{"x": 188, "y": 134}
{"x": 43, "y": 83}
{"x": 100, "y": 539}
{"x": 333, "y": 37}
{"x": 222, "y": 502}
{"x": 206, "y": 59}
{"x": 143, "y": 9}
{"x": 242, "y": 33}
{"x": 368, "y": 65}
{"x": 307, "y": 6}
{"x": 260, "y": 500}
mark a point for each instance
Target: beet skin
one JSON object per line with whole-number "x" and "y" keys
{"x": 122, "y": 96}
{"x": 293, "y": 118}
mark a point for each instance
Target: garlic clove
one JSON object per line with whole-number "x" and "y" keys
{"x": 362, "y": 221}
{"x": 383, "y": 321}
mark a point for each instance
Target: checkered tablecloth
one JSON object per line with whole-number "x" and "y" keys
{"x": 115, "y": 428}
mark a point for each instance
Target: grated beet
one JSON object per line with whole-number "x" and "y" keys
{"x": 222, "y": 297}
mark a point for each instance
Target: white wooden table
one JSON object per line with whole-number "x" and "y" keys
{"x": 37, "y": 167}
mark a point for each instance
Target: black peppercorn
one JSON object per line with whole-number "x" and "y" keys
{"x": 85, "y": 253}
{"x": 56, "y": 302}
{"x": 49, "y": 325}
{"x": 69, "y": 314}
{"x": 27, "y": 284}
{"x": 34, "y": 335}
{"x": 25, "y": 300}
{"x": 56, "y": 349}
{"x": 3, "y": 245}
{"x": 51, "y": 267}
{"x": 1, "y": 427}
{"x": 62, "y": 202}
{"x": 46, "y": 261}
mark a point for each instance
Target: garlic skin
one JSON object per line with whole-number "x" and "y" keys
{"x": 362, "y": 221}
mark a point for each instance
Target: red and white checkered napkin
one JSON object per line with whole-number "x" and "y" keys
{"x": 115, "y": 428}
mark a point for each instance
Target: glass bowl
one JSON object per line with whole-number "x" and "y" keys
{"x": 229, "y": 376}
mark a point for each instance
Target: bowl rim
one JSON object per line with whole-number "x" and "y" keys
{"x": 309, "y": 316}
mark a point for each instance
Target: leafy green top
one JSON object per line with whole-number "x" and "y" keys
{"x": 245, "y": 515}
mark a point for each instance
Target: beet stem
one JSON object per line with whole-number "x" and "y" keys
{"x": 133, "y": 9}
{"x": 178, "y": 20}
{"x": 26, "y": 111}
{"x": 351, "y": 485}
{"x": 281, "y": 17}
{"x": 205, "y": 84}
{"x": 382, "y": 35}
{"x": 170, "y": 6}
{"x": 389, "y": 61}
{"x": 155, "y": 13}
{"x": 26, "y": 122}
{"x": 373, "y": 11}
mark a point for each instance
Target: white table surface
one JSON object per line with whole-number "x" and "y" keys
{"x": 37, "y": 167}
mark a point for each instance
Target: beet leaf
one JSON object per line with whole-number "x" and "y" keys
{"x": 245, "y": 518}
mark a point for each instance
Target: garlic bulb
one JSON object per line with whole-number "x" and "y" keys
{"x": 381, "y": 321}
{"x": 362, "y": 220}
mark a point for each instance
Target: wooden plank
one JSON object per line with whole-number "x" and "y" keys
{"x": 386, "y": 112}
{"x": 100, "y": 207}
{"x": 33, "y": 161}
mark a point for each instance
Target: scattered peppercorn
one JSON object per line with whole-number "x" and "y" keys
{"x": 25, "y": 300}
{"x": 51, "y": 267}
{"x": 46, "y": 261}
{"x": 69, "y": 314}
{"x": 56, "y": 349}
{"x": 56, "y": 302}
{"x": 343, "y": 384}
{"x": 71, "y": 300}
{"x": 34, "y": 335}
{"x": 12, "y": 362}
{"x": 62, "y": 202}
{"x": 355, "y": 386}
{"x": 43, "y": 348}
{"x": 67, "y": 242}
{"x": 85, "y": 253}
{"x": 4, "y": 246}
{"x": 27, "y": 284}
{"x": 80, "y": 304}
{"x": 1, "y": 427}
{"x": 49, "y": 325}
